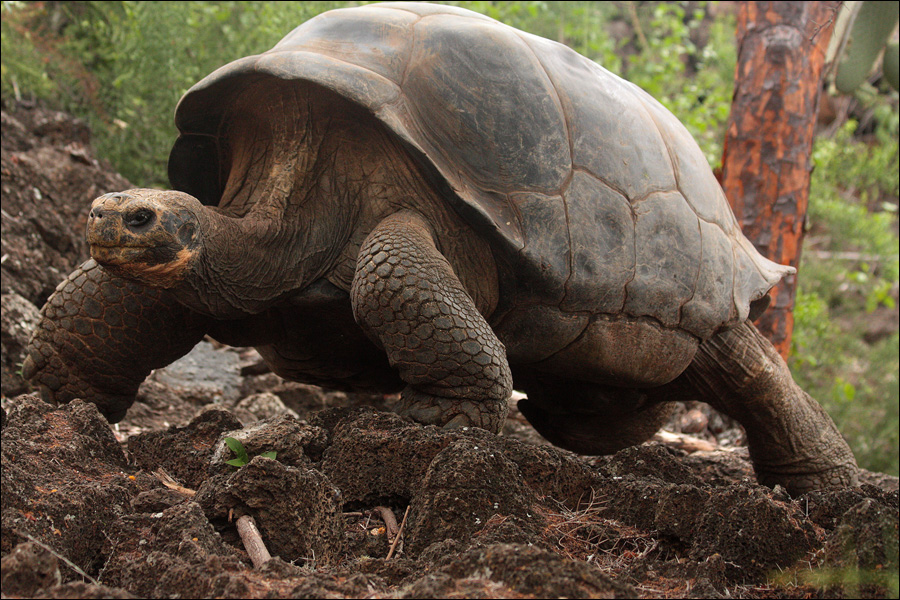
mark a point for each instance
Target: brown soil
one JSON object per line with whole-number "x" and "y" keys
{"x": 147, "y": 508}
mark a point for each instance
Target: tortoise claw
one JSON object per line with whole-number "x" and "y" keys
{"x": 452, "y": 413}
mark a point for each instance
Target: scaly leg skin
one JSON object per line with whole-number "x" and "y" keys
{"x": 408, "y": 300}
{"x": 100, "y": 336}
{"x": 792, "y": 440}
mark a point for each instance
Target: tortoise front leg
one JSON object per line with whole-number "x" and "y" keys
{"x": 792, "y": 440}
{"x": 100, "y": 336}
{"x": 409, "y": 301}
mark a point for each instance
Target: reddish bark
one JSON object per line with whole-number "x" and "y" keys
{"x": 766, "y": 161}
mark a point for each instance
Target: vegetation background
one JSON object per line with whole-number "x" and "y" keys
{"x": 122, "y": 66}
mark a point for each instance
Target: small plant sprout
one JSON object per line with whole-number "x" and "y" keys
{"x": 241, "y": 457}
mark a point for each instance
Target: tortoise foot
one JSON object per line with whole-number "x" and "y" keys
{"x": 451, "y": 413}
{"x": 798, "y": 482}
{"x": 792, "y": 440}
{"x": 59, "y": 384}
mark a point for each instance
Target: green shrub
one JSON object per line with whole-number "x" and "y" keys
{"x": 123, "y": 65}
{"x": 848, "y": 270}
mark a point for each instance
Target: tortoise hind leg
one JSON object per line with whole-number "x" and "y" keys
{"x": 589, "y": 418}
{"x": 792, "y": 440}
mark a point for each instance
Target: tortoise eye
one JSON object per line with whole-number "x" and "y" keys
{"x": 139, "y": 218}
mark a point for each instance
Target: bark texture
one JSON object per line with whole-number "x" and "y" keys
{"x": 766, "y": 163}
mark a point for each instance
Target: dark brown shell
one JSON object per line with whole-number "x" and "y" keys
{"x": 597, "y": 196}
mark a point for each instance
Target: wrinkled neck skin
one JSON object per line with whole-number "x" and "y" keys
{"x": 299, "y": 193}
{"x": 246, "y": 266}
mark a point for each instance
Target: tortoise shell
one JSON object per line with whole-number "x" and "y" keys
{"x": 593, "y": 196}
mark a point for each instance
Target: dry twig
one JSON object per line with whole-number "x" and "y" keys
{"x": 399, "y": 534}
{"x": 170, "y": 483}
{"x": 685, "y": 442}
{"x": 253, "y": 541}
{"x": 636, "y": 24}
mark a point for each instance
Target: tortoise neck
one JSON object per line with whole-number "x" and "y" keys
{"x": 250, "y": 263}
{"x": 281, "y": 220}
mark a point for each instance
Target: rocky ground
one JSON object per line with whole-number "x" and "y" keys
{"x": 148, "y": 508}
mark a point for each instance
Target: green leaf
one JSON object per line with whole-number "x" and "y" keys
{"x": 240, "y": 453}
{"x": 271, "y": 454}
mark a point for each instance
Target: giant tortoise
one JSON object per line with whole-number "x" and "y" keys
{"x": 416, "y": 197}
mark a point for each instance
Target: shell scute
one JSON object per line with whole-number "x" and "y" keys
{"x": 490, "y": 115}
{"x": 543, "y": 261}
{"x": 712, "y": 302}
{"x": 667, "y": 259}
{"x": 602, "y": 243}
{"x": 695, "y": 180}
{"x": 341, "y": 34}
{"x": 613, "y": 136}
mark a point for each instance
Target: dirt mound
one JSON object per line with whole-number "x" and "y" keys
{"x": 358, "y": 501}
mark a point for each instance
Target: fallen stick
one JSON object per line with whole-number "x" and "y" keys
{"x": 399, "y": 534}
{"x": 253, "y": 541}
{"x": 687, "y": 443}
{"x": 168, "y": 481}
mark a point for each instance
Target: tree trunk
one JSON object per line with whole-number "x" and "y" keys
{"x": 766, "y": 161}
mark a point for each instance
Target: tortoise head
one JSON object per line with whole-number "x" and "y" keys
{"x": 150, "y": 236}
